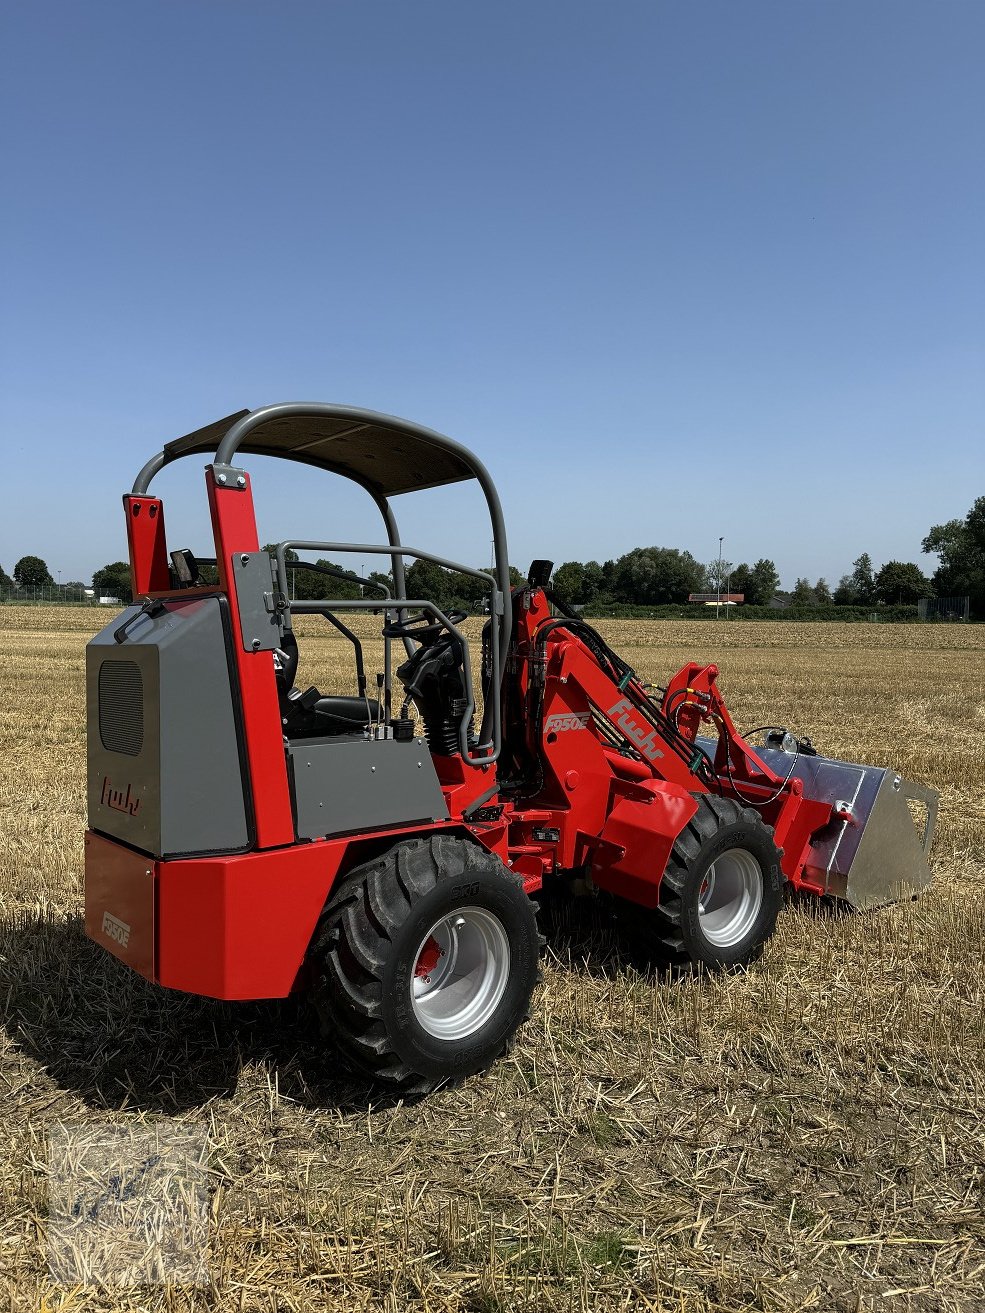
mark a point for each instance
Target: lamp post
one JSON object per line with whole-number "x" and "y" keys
{"x": 718, "y": 600}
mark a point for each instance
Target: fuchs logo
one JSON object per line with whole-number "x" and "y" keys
{"x": 562, "y": 720}
{"x": 116, "y": 929}
{"x": 120, "y": 800}
{"x": 643, "y": 736}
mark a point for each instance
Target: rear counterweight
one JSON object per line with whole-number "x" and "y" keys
{"x": 165, "y": 765}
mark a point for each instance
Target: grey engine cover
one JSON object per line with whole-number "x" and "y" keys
{"x": 165, "y": 772}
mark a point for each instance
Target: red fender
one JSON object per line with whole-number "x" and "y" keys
{"x": 637, "y": 838}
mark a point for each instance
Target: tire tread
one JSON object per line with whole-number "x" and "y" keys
{"x": 713, "y": 815}
{"x": 349, "y": 947}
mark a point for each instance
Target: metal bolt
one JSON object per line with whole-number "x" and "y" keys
{"x": 373, "y": 769}
{"x": 244, "y": 559}
{"x": 418, "y": 765}
{"x": 241, "y": 481}
{"x": 441, "y": 951}
{"x": 458, "y": 922}
{"x": 427, "y": 980}
{"x": 220, "y": 478}
{"x": 256, "y": 645}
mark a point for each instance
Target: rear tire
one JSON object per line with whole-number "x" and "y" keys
{"x": 722, "y": 891}
{"x": 425, "y": 960}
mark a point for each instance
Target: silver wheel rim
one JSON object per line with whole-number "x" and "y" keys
{"x": 730, "y": 897}
{"x": 461, "y": 969}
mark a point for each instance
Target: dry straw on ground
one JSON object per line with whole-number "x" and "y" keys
{"x": 805, "y": 1136}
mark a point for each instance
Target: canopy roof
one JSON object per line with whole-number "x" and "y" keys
{"x": 388, "y": 454}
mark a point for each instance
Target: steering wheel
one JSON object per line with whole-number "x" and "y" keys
{"x": 422, "y": 628}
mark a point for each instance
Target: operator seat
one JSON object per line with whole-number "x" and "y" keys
{"x": 309, "y": 713}
{"x": 344, "y": 715}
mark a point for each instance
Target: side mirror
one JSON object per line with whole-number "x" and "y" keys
{"x": 539, "y": 574}
{"x": 185, "y": 567}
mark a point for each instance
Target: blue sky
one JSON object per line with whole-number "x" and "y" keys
{"x": 674, "y": 270}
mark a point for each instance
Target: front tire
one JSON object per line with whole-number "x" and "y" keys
{"x": 425, "y": 960}
{"x": 722, "y": 891}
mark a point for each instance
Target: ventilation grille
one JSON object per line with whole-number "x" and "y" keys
{"x": 121, "y": 707}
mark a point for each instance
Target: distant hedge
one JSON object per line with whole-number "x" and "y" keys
{"x": 842, "y": 614}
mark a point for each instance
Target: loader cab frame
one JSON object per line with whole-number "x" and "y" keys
{"x": 385, "y": 456}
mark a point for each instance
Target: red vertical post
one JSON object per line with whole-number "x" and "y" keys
{"x": 235, "y": 530}
{"x": 148, "y": 548}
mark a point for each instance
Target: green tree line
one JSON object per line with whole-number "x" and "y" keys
{"x": 645, "y": 576}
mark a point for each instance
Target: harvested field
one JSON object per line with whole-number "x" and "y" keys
{"x": 807, "y": 1135}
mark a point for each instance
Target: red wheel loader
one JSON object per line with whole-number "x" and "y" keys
{"x": 248, "y": 838}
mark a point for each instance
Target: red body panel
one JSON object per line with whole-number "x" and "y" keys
{"x": 119, "y": 902}
{"x": 148, "y": 549}
{"x": 234, "y": 526}
{"x": 239, "y": 927}
{"x": 578, "y": 778}
{"x": 225, "y": 927}
{"x": 637, "y": 838}
{"x": 234, "y": 927}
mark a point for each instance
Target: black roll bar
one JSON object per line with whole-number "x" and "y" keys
{"x": 142, "y": 482}
{"x": 489, "y": 745}
{"x": 347, "y": 576}
{"x": 238, "y": 436}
